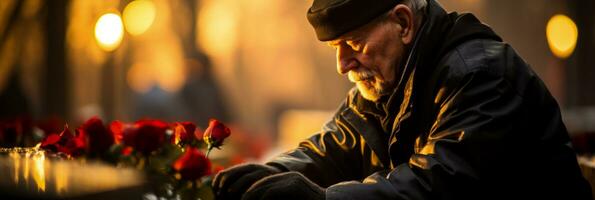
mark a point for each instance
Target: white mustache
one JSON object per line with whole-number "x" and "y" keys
{"x": 355, "y": 76}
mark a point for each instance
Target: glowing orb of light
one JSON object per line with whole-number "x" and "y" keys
{"x": 139, "y": 16}
{"x": 109, "y": 31}
{"x": 562, "y": 35}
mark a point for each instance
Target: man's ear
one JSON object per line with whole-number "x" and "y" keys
{"x": 403, "y": 16}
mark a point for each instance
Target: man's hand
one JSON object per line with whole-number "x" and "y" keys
{"x": 233, "y": 182}
{"x": 288, "y": 185}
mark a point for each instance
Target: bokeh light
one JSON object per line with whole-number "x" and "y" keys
{"x": 109, "y": 31}
{"x": 139, "y": 16}
{"x": 562, "y": 35}
{"x": 217, "y": 27}
{"x": 140, "y": 78}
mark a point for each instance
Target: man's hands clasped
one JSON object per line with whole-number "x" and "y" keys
{"x": 255, "y": 181}
{"x": 232, "y": 183}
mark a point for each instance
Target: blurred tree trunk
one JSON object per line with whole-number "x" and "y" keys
{"x": 56, "y": 79}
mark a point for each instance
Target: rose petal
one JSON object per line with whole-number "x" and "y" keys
{"x": 192, "y": 165}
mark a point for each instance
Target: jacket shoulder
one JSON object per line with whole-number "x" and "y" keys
{"x": 475, "y": 55}
{"x": 491, "y": 58}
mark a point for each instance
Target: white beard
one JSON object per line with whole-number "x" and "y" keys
{"x": 369, "y": 85}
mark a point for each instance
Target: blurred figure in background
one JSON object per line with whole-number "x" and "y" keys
{"x": 198, "y": 100}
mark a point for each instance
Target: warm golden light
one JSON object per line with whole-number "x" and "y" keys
{"x": 140, "y": 78}
{"x": 17, "y": 165}
{"x": 170, "y": 78}
{"x": 217, "y": 26}
{"x": 60, "y": 179}
{"x": 61, "y": 174}
{"x": 109, "y": 31}
{"x": 38, "y": 170}
{"x": 139, "y": 16}
{"x": 562, "y": 35}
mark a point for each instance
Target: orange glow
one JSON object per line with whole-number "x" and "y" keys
{"x": 38, "y": 170}
{"x": 158, "y": 58}
{"x": 169, "y": 77}
{"x": 61, "y": 174}
{"x": 217, "y": 27}
{"x": 139, "y": 16}
{"x": 41, "y": 176}
{"x": 17, "y": 165}
{"x": 562, "y": 35}
{"x": 109, "y": 31}
{"x": 139, "y": 78}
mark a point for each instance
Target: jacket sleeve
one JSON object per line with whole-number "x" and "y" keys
{"x": 333, "y": 155}
{"x": 472, "y": 138}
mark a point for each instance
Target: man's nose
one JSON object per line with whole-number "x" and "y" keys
{"x": 345, "y": 60}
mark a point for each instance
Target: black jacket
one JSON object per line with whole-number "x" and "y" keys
{"x": 468, "y": 120}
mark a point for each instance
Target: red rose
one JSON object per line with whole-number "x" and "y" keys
{"x": 126, "y": 151}
{"x": 76, "y": 145}
{"x": 117, "y": 129}
{"x": 180, "y": 135}
{"x": 65, "y": 142}
{"x": 193, "y": 131}
{"x": 192, "y": 165}
{"x": 145, "y": 136}
{"x": 215, "y": 134}
{"x": 100, "y": 138}
{"x": 185, "y": 133}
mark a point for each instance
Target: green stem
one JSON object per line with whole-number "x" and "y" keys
{"x": 209, "y": 150}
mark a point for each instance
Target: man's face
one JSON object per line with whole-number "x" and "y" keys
{"x": 370, "y": 56}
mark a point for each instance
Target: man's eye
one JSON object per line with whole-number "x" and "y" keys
{"x": 355, "y": 45}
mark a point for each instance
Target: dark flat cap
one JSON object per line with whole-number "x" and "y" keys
{"x": 333, "y": 18}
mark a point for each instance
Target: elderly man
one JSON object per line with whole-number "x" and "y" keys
{"x": 443, "y": 109}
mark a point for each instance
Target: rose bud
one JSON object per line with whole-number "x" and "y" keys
{"x": 117, "y": 129}
{"x": 193, "y": 131}
{"x": 146, "y": 136}
{"x": 77, "y": 145}
{"x": 215, "y": 134}
{"x": 185, "y": 133}
{"x": 192, "y": 165}
{"x": 100, "y": 138}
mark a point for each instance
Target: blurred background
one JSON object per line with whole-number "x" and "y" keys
{"x": 255, "y": 65}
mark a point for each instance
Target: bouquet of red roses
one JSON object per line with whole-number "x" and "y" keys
{"x": 171, "y": 153}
